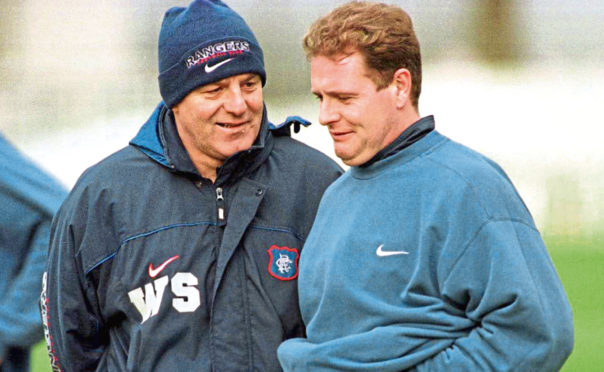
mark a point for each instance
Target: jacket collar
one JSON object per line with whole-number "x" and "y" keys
{"x": 158, "y": 139}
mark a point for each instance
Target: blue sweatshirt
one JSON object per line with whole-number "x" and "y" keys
{"x": 28, "y": 199}
{"x": 428, "y": 260}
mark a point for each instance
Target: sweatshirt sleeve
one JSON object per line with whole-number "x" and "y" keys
{"x": 19, "y": 316}
{"x": 29, "y": 197}
{"x": 507, "y": 285}
{"x": 74, "y": 328}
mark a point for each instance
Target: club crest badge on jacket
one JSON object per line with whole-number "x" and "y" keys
{"x": 283, "y": 262}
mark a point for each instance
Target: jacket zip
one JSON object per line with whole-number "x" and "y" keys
{"x": 220, "y": 203}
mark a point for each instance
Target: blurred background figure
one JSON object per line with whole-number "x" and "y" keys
{"x": 28, "y": 199}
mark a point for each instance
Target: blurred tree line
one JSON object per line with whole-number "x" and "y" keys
{"x": 63, "y": 63}
{"x": 58, "y": 63}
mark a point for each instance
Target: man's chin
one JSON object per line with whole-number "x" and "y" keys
{"x": 234, "y": 149}
{"x": 346, "y": 159}
{"x": 344, "y": 153}
{"x": 352, "y": 160}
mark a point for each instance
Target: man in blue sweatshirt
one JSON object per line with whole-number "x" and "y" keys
{"x": 423, "y": 256}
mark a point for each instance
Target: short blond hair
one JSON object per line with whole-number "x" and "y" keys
{"x": 382, "y": 33}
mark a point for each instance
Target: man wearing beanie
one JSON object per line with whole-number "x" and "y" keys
{"x": 180, "y": 251}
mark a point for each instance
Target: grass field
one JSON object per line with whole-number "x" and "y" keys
{"x": 580, "y": 264}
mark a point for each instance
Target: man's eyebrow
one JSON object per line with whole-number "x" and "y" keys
{"x": 336, "y": 93}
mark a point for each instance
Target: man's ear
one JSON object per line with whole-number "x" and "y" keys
{"x": 402, "y": 86}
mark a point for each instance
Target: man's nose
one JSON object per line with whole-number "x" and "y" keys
{"x": 327, "y": 112}
{"x": 235, "y": 101}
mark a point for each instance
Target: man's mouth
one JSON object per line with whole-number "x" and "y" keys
{"x": 230, "y": 125}
{"x": 340, "y": 134}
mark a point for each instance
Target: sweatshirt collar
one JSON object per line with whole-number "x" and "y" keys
{"x": 409, "y": 136}
{"x": 402, "y": 154}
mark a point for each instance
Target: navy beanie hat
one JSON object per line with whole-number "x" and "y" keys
{"x": 201, "y": 44}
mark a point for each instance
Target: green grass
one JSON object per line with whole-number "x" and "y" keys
{"x": 580, "y": 264}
